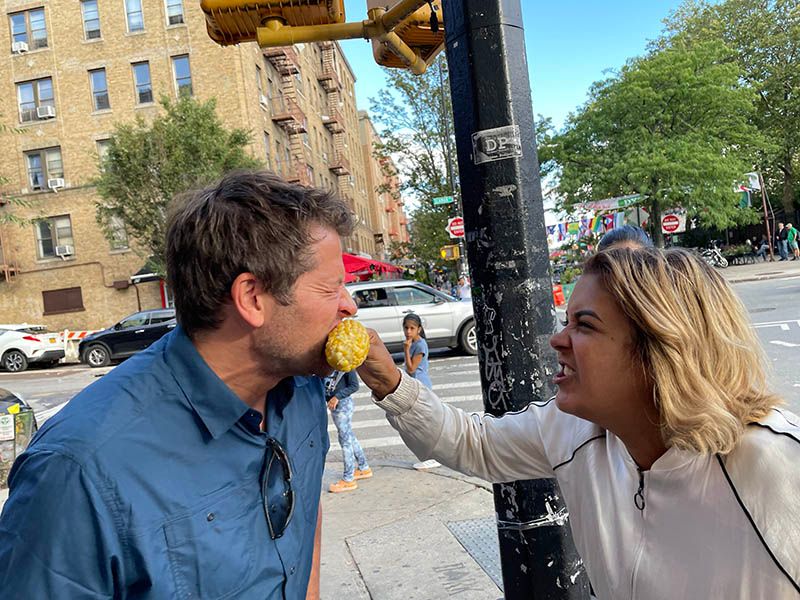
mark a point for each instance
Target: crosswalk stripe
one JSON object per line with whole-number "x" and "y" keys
{"x": 367, "y": 394}
{"x": 446, "y": 399}
{"x": 381, "y": 442}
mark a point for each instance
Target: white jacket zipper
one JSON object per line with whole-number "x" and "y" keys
{"x": 639, "y": 501}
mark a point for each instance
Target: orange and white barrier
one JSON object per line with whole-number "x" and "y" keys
{"x": 71, "y": 340}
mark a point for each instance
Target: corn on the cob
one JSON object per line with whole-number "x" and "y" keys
{"x": 347, "y": 345}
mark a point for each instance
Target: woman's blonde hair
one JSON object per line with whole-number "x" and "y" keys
{"x": 695, "y": 343}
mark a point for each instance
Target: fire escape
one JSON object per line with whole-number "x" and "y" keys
{"x": 8, "y": 268}
{"x": 289, "y": 116}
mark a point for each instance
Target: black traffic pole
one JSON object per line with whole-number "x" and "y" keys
{"x": 509, "y": 264}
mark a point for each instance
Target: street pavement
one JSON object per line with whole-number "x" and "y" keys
{"x": 400, "y": 535}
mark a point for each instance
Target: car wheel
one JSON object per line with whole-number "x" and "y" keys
{"x": 15, "y": 361}
{"x": 97, "y": 356}
{"x": 468, "y": 339}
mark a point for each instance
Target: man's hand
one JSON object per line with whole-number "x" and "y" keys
{"x": 333, "y": 403}
{"x": 379, "y": 372}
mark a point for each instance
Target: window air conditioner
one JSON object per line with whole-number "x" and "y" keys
{"x": 263, "y": 100}
{"x": 19, "y": 47}
{"x": 55, "y": 184}
{"x": 45, "y": 112}
{"x": 64, "y": 251}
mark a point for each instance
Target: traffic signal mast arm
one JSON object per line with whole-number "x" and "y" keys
{"x": 274, "y": 23}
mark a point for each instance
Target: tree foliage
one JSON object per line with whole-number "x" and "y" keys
{"x": 673, "y": 126}
{"x": 415, "y": 114}
{"x": 148, "y": 164}
{"x": 11, "y": 203}
{"x": 763, "y": 37}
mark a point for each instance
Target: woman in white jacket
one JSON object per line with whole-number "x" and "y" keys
{"x": 680, "y": 472}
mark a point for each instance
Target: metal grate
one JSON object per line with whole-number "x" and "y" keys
{"x": 479, "y": 538}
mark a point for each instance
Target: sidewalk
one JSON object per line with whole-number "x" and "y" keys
{"x": 399, "y": 536}
{"x": 761, "y": 271}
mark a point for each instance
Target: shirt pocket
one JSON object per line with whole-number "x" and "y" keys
{"x": 307, "y": 460}
{"x": 211, "y": 550}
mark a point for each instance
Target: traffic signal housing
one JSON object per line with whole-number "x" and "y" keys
{"x": 422, "y": 31}
{"x": 234, "y": 21}
{"x": 450, "y": 252}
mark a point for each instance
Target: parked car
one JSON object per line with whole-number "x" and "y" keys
{"x": 448, "y": 322}
{"x": 24, "y": 344}
{"x": 132, "y": 334}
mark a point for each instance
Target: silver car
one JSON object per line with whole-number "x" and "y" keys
{"x": 382, "y": 305}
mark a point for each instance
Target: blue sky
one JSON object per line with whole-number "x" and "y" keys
{"x": 569, "y": 45}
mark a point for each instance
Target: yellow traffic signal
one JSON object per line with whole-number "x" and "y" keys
{"x": 451, "y": 252}
{"x": 234, "y": 21}
{"x": 422, "y": 31}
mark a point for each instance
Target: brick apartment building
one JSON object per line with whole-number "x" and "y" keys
{"x": 71, "y": 69}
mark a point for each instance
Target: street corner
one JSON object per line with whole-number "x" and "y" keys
{"x": 397, "y": 536}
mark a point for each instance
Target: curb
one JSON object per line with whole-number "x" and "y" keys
{"x": 764, "y": 278}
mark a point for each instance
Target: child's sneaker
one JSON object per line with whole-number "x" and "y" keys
{"x": 343, "y": 486}
{"x": 427, "y": 464}
{"x": 363, "y": 473}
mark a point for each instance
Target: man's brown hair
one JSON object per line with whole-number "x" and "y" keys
{"x": 248, "y": 222}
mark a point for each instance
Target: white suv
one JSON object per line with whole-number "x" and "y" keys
{"x": 382, "y": 305}
{"x": 23, "y": 344}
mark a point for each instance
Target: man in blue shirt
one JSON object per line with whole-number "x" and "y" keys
{"x": 194, "y": 469}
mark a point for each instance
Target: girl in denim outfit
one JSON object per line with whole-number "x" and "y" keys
{"x": 339, "y": 396}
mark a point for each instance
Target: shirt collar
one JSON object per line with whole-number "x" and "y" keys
{"x": 218, "y": 407}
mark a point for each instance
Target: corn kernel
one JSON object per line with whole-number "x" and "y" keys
{"x": 347, "y": 346}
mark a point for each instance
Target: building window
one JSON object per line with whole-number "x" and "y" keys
{"x": 133, "y": 12}
{"x": 54, "y": 237}
{"x": 97, "y": 79}
{"x": 62, "y": 301}
{"x": 43, "y": 165}
{"x": 268, "y": 148}
{"x": 183, "y": 75}
{"x": 102, "y": 151}
{"x": 32, "y": 95}
{"x": 29, "y": 28}
{"x": 118, "y": 235}
{"x": 91, "y": 19}
{"x": 141, "y": 76}
{"x": 174, "y": 12}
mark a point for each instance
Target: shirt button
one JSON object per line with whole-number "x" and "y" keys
{"x": 210, "y": 517}
{"x": 291, "y": 571}
{"x": 311, "y": 443}
{"x": 274, "y": 507}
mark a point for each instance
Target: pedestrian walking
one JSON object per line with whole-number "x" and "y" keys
{"x": 677, "y": 464}
{"x": 792, "y": 241}
{"x": 463, "y": 289}
{"x": 194, "y": 469}
{"x": 339, "y": 397}
{"x": 783, "y": 245}
{"x": 416, "y": 363}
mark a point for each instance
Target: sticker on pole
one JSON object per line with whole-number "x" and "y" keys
{"x": 6, "y": 428}
{"x": 496, "y": 144}
{"x": 455, "y": 227}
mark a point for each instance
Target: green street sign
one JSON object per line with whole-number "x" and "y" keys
{"x": 441, "y": 200}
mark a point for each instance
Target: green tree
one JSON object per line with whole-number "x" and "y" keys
{"x": 764, "y": 39}
{"x": 10, "y": 203}
{"x": 147, "y": 164}
{"x": 416, "y": 116}
{"x": 673, "y": 126}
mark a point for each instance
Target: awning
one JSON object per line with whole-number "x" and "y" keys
{"x": 358, "y": 268}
